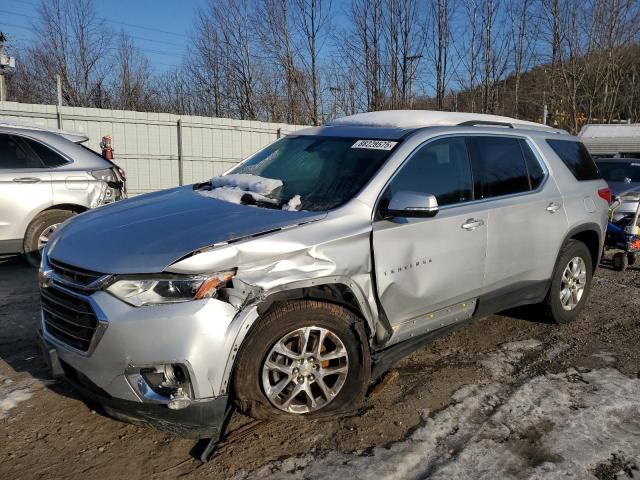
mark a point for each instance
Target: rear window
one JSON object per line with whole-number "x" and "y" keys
{"x": 577, "y": 159}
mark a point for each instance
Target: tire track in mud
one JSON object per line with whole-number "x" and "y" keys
{"x": 508, "y": 365}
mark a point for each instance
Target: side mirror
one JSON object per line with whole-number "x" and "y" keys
{"x": 412, "y": 204}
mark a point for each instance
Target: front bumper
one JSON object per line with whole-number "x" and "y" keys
{"x": 198, "y": 335}
{"x": 203, "y": 419}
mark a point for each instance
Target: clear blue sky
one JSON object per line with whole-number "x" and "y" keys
{"x": 160, "y": 28}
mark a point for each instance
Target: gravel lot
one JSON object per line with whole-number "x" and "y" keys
{"x": 46, "y": 431}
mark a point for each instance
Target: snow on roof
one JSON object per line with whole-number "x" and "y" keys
{"x": 425, "y": 118}
{"x": 610, "y": 130}
{"x": 76, "y": 137}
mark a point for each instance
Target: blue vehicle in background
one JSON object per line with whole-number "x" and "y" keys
{"x": 623, "y": 234}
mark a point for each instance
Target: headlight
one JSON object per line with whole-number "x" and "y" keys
{"x": 169, "y": 289}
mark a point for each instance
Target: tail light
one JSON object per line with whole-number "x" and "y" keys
{"x": 605, "y": 194}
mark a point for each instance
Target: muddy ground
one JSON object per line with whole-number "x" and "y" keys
{"x": 46, "y": 431}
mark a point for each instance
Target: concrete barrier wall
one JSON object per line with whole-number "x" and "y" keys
{"x": 146, "y": 144}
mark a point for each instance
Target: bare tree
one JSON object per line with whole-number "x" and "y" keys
{"x": 441, "y": 34}
{"x": 313, "y": 22}
{"x": 274, "y": 27}
{"x": 74, "y": 43}
{"x": 131, "y": 84}
{"x": 522, "y": 45}
{"x": 224, "y": 61}
{"x": 361, "y": 51}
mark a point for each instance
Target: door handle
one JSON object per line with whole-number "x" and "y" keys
{"x": 26, "y": 180}
{"x": 553, "y": 207}
{"x": 472, "y": 224}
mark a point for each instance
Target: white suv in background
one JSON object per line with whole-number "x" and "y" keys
{"x": 47, "y": 176}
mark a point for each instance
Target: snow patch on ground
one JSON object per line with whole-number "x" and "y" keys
{"x": 606, "y": 357}
{"x": 551, "y": 426}
{"x": 11, "y": 400}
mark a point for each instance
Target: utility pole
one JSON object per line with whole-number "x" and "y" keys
{"x": 412, "y": 70}
{"x": 335, "y": 90}
{"x": 59, "y": 103}
{"x": 6, "y": 63}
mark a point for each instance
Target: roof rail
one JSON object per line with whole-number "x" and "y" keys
{"x": 473, "y": 123}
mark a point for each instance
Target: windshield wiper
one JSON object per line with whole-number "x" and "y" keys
{"x": 248, "y": 199}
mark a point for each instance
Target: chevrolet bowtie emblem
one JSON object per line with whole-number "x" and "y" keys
{"x": 44, "y": 278}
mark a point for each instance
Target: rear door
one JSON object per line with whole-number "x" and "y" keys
{"x": 527, "y": 220}
{"x": 25, "y": 190}
{"x": 430, "y": 270}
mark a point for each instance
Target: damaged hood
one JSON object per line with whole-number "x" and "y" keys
{"x": 146, "y": 234}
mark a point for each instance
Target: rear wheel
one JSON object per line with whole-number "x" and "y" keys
{"x": 632, "y": 258}
{"x": 305, "y": 359}
{"x": 39, "y": 232}
{"x": 620, "y": 261}
{"x": 571, "y": 283}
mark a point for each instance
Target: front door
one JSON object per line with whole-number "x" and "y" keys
{"x": 430, "y": 271}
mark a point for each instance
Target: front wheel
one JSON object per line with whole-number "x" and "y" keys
{"x": 304, "y": 358}
{"x": 39, "y": 232}
{"x": 571, "y": 282}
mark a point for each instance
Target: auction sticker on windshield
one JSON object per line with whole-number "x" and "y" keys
{"x": 374, "y": 144}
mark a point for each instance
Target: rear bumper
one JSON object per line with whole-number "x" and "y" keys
{"x": 201, "y": 419}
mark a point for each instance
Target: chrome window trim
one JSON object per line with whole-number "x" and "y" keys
{"x": 532, "y": 145}
{"x": 66, "y": 157}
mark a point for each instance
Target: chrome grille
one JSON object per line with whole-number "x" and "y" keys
{"x": 73, "y": 275}
{"x": 68, "y": 318}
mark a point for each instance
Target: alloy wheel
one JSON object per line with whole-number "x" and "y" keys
{"x": 305, "y": 370}
{"x": 574, "y": 281}
{"x": 43, "y": 239}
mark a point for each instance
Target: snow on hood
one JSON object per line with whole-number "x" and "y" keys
{"x": 553, "y": 426}
{"x": 247, "y": 182}
{"x": 231, "y": 188}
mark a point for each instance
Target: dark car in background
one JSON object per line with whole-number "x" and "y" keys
{"x": 623, "y": 177}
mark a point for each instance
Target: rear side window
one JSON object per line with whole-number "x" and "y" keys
{"x": 499, "y": 166}
{"x": 15, "y": 155}
{"x": 577, "y": 159}
{"x": 48, "y": 157}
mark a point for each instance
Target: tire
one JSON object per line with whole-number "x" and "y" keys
{"x": 249, "y": 375}
{"x": 47, "y": 220}
{"x": 620, "y": 261}
{"x": 555, "y": 308}
{"x": 632, "y": 258}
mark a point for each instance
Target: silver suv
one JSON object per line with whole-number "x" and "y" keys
{"x": 47, "y": 176}
{"x": 284, "y": 286}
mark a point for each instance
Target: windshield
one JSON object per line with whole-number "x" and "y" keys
{"x": 318, "y": 173}
{"x": 627, "y": 172}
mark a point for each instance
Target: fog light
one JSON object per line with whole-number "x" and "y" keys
{"x": 168, "y": 384}
{"x": 179, "y": 400}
